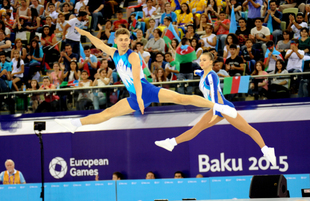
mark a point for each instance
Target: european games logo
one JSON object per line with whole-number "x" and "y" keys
{"x": 58, "y": 167}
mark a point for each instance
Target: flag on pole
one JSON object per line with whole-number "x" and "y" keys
{"x": 185, "y": 54}
{"x": 269, "y": 23}
{"x": 170, "y": 34}
{"x": 145, "y": 69}
{"x": 233, "y": 22}
{"x": 234, "y": 85}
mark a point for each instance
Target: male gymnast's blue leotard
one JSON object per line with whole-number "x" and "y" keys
{"x": 124, "y": 69}
{"x": 210, "y": 87}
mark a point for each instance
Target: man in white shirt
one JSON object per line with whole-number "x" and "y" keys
{"x": 296, "y": 25}
{"x": 260, "y": 34}
{"x": 295, "y": 57}
{"x": 79, "y": 4}
{"x": 73, "y": 37}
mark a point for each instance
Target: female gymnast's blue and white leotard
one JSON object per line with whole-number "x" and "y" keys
{"x": 124, "y": 69}
{"x": 210, "y": 87}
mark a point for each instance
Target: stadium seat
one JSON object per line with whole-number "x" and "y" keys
{"x": 291, "y": 10}
{"x": 28, "y": 36}
{"x": 139, "y": 14}
{"x": 89, "y": 22}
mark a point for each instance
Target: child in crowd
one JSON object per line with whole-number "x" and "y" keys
{"x": 18, "y": 69}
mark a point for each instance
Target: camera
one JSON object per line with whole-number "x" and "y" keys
{"x": 39, "y": 126}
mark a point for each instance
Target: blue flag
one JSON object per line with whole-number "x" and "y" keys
{"x": 269, "y": 23}
{"x": 111, "y": 38}
{"x": 177, "y": 5}
{"x": 233, "y": 22}
{"x": 82, "y": 54}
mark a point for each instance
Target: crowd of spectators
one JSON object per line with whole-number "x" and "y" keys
{"x": 40, "y": 49}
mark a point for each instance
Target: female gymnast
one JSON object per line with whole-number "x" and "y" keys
{"x": 141, "y": 92}
{"x": 210, "y": 87}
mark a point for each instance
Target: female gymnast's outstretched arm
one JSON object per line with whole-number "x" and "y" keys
{"x": 209, "y": 78}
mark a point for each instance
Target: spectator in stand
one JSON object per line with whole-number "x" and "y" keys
{"x": 5, "y": 73}
{"x": 61, "y": 5}
{"x": 105, "y": 66}
{"x": 79, "y": 4}
{"x": 167, "y": 22}
{"x": 234, "y": 64}
{"x": 134, "y": 27}
{"x": 221, "y": 28}
{"x": 89, "y": 64}
{"x": 178, "y": 175}
{"x": 73, "y": 37}
{"x": 61, "y": 23}
{"x": 8, "y": 21}
{"x": 293, "y": 4}
{"x": 35, "y": 57}
{"x": 231, "y": 39}
{"x": 5, "y": 45}
{"x": 295, "y": 57}
{"x": 159, "y": 75}
{"x": 18, "y": 69}
{"x": 48, "y": 21}
{"x": 35, "y": 99}
{"x": 190, "y": 33}
{"x": 197, "y": 7}
{"x": 24, "y": 11}
{"x": 279, "y": 83}
{"x": 216, "y": 57}
{"x": 209, "y": 39}
{"x": 195, "y": 44}
{"x": 52, "y": 12}
{"x": 149, "y": 33}
{"x": 213, "y": 9}
{"x": 19, "y": 28}
{"x": 105, "y": 34}
{"x": 11, "y": 176}
{"x": 66, "y": 56}
{"x": 7, "y": 8}
{"x": 101, "y": 79}
{"x": 66, "y": 12}
{"x": 253, "y": 11}
{"x": 34, "y": 24}
{"x": 304, "y": 41}
{"x": 237, "y": 9}
{"x": 158, "y": 63}
{"x": 168, "y": 13}
{"x": 6, "y": 30}
{"x": 96, "y": 9}
{"x": 307, "y": 18}
{"x": 139, "y": 39}
{"x": 173, "y": 47}
{"x": 217, "y": 67}
{"x": 40, "y": 8}
{"x": 156, "y": 44}
{"x": 242, "y": 32}
{"x": 171, "y": 67}
{"x": 276, "y": 17}
{"x": 139, "y": 7}
{"x": 50, "y": 104}
{"x": 160, "y": 7}
{"x": 55, "y": 76}
{"x": 119, "y": 21}
{"x": 272, "y": 55}
{"x": 148, "y": 11}
{"x": 260, "y": 34}
{"x": 84, "y": 98}
{"x": 145, "y": 55}
{"x": 296, "y": 25}
{"x": 49, "y": 45}
{"x": 73, "y": 73}
{"x": 19, "y": 47}
{"x": 150, "y": 175}
{"x": 186, "y": 16}
{"x": 259, "y": 86}
{"x": 285, "y": 44}
{"x": 203, "y": 23}
{"x": 247, "y": 54}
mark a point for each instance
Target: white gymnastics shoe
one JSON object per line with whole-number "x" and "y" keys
{"x": 165, "y": 144}
{"x": 66, "y": 123}
{"x": 270, "y": 155}
{"x": 225, "y": 109}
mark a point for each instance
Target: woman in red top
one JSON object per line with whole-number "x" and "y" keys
{"x": 48, "y": 41}
{"x": 50, "y": 104}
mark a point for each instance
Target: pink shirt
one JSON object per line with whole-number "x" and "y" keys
{"x": 264, "y": 73}
{"x": 55, "y": 81}
{"x": 221, "y": 29}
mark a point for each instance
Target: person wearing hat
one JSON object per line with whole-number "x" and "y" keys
{"x": 73, "y": 37}
{"x": 271, "y": 56}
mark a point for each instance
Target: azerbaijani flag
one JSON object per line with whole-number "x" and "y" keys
{"x": 185, "y": 54}
{"x": 145, "y": 69}
{"x": 234, "y": 85}
{"x": 233, "y": 22}
{"x": 170, "y": 34}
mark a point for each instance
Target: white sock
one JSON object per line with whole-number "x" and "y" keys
{"x": 173, "y": 142}
{"x": 76, "y": 122}
{"x": 265, "y": 149}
